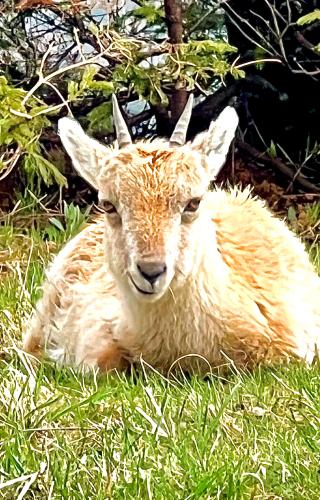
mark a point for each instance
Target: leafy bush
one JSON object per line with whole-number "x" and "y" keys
{"x": 39, "y": 84}
{"x": 21, "y": 126}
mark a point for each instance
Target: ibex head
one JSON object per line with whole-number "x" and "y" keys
{"x": 154, "y": 197}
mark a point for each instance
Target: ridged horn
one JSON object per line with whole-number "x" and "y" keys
{"x": 122, "y": 132}
{"x": 179, "y": 134}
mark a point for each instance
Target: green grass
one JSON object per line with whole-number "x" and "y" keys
{"x": 73, "y": 436}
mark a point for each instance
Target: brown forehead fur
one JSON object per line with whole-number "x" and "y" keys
{"x": 151, "y": 175}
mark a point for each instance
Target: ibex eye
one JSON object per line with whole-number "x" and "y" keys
{"x": 107, "y": 207}
{"x": 193, "y": 205}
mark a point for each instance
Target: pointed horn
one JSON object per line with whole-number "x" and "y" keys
{"x": 179, "y": 135}
{"x": 122, "y": 132}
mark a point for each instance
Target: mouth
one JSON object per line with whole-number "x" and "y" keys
{"x": 139, "y": 289}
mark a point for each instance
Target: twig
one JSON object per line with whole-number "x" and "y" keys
{"x": 304, "y": 71}
{"x": 226, "y": 6}
{"x": 305, "y": 43}
{"x": 256, "y": 61}
{"x": 58, "y": 72}
{"x": 200, "y": 21}
{"x": 276, "y": 25}
{"x": 12, "y": 162}
{"x": 75, "y": 32}
{"x": 57, "y": 91}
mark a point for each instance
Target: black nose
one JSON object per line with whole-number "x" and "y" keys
{"x": 151, "y": 270}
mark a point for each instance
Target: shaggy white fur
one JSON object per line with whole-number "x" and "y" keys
{"x": 238, "y": 284}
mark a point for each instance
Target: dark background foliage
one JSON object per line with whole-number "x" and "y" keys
{"x": 59, "y": 57}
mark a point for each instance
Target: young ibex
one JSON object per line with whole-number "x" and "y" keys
{"x": 174, "y": 272}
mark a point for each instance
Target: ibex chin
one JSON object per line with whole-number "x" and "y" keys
{"x": 174, "y": 274}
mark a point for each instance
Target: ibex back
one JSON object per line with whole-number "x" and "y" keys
{"x": 174, "y": 273}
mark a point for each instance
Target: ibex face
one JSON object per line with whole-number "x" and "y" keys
{"x": 153, "y": 195}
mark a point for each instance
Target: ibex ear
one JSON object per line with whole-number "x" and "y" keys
{"x": 214, "y": 144}
{"x": 84, "y": 152}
